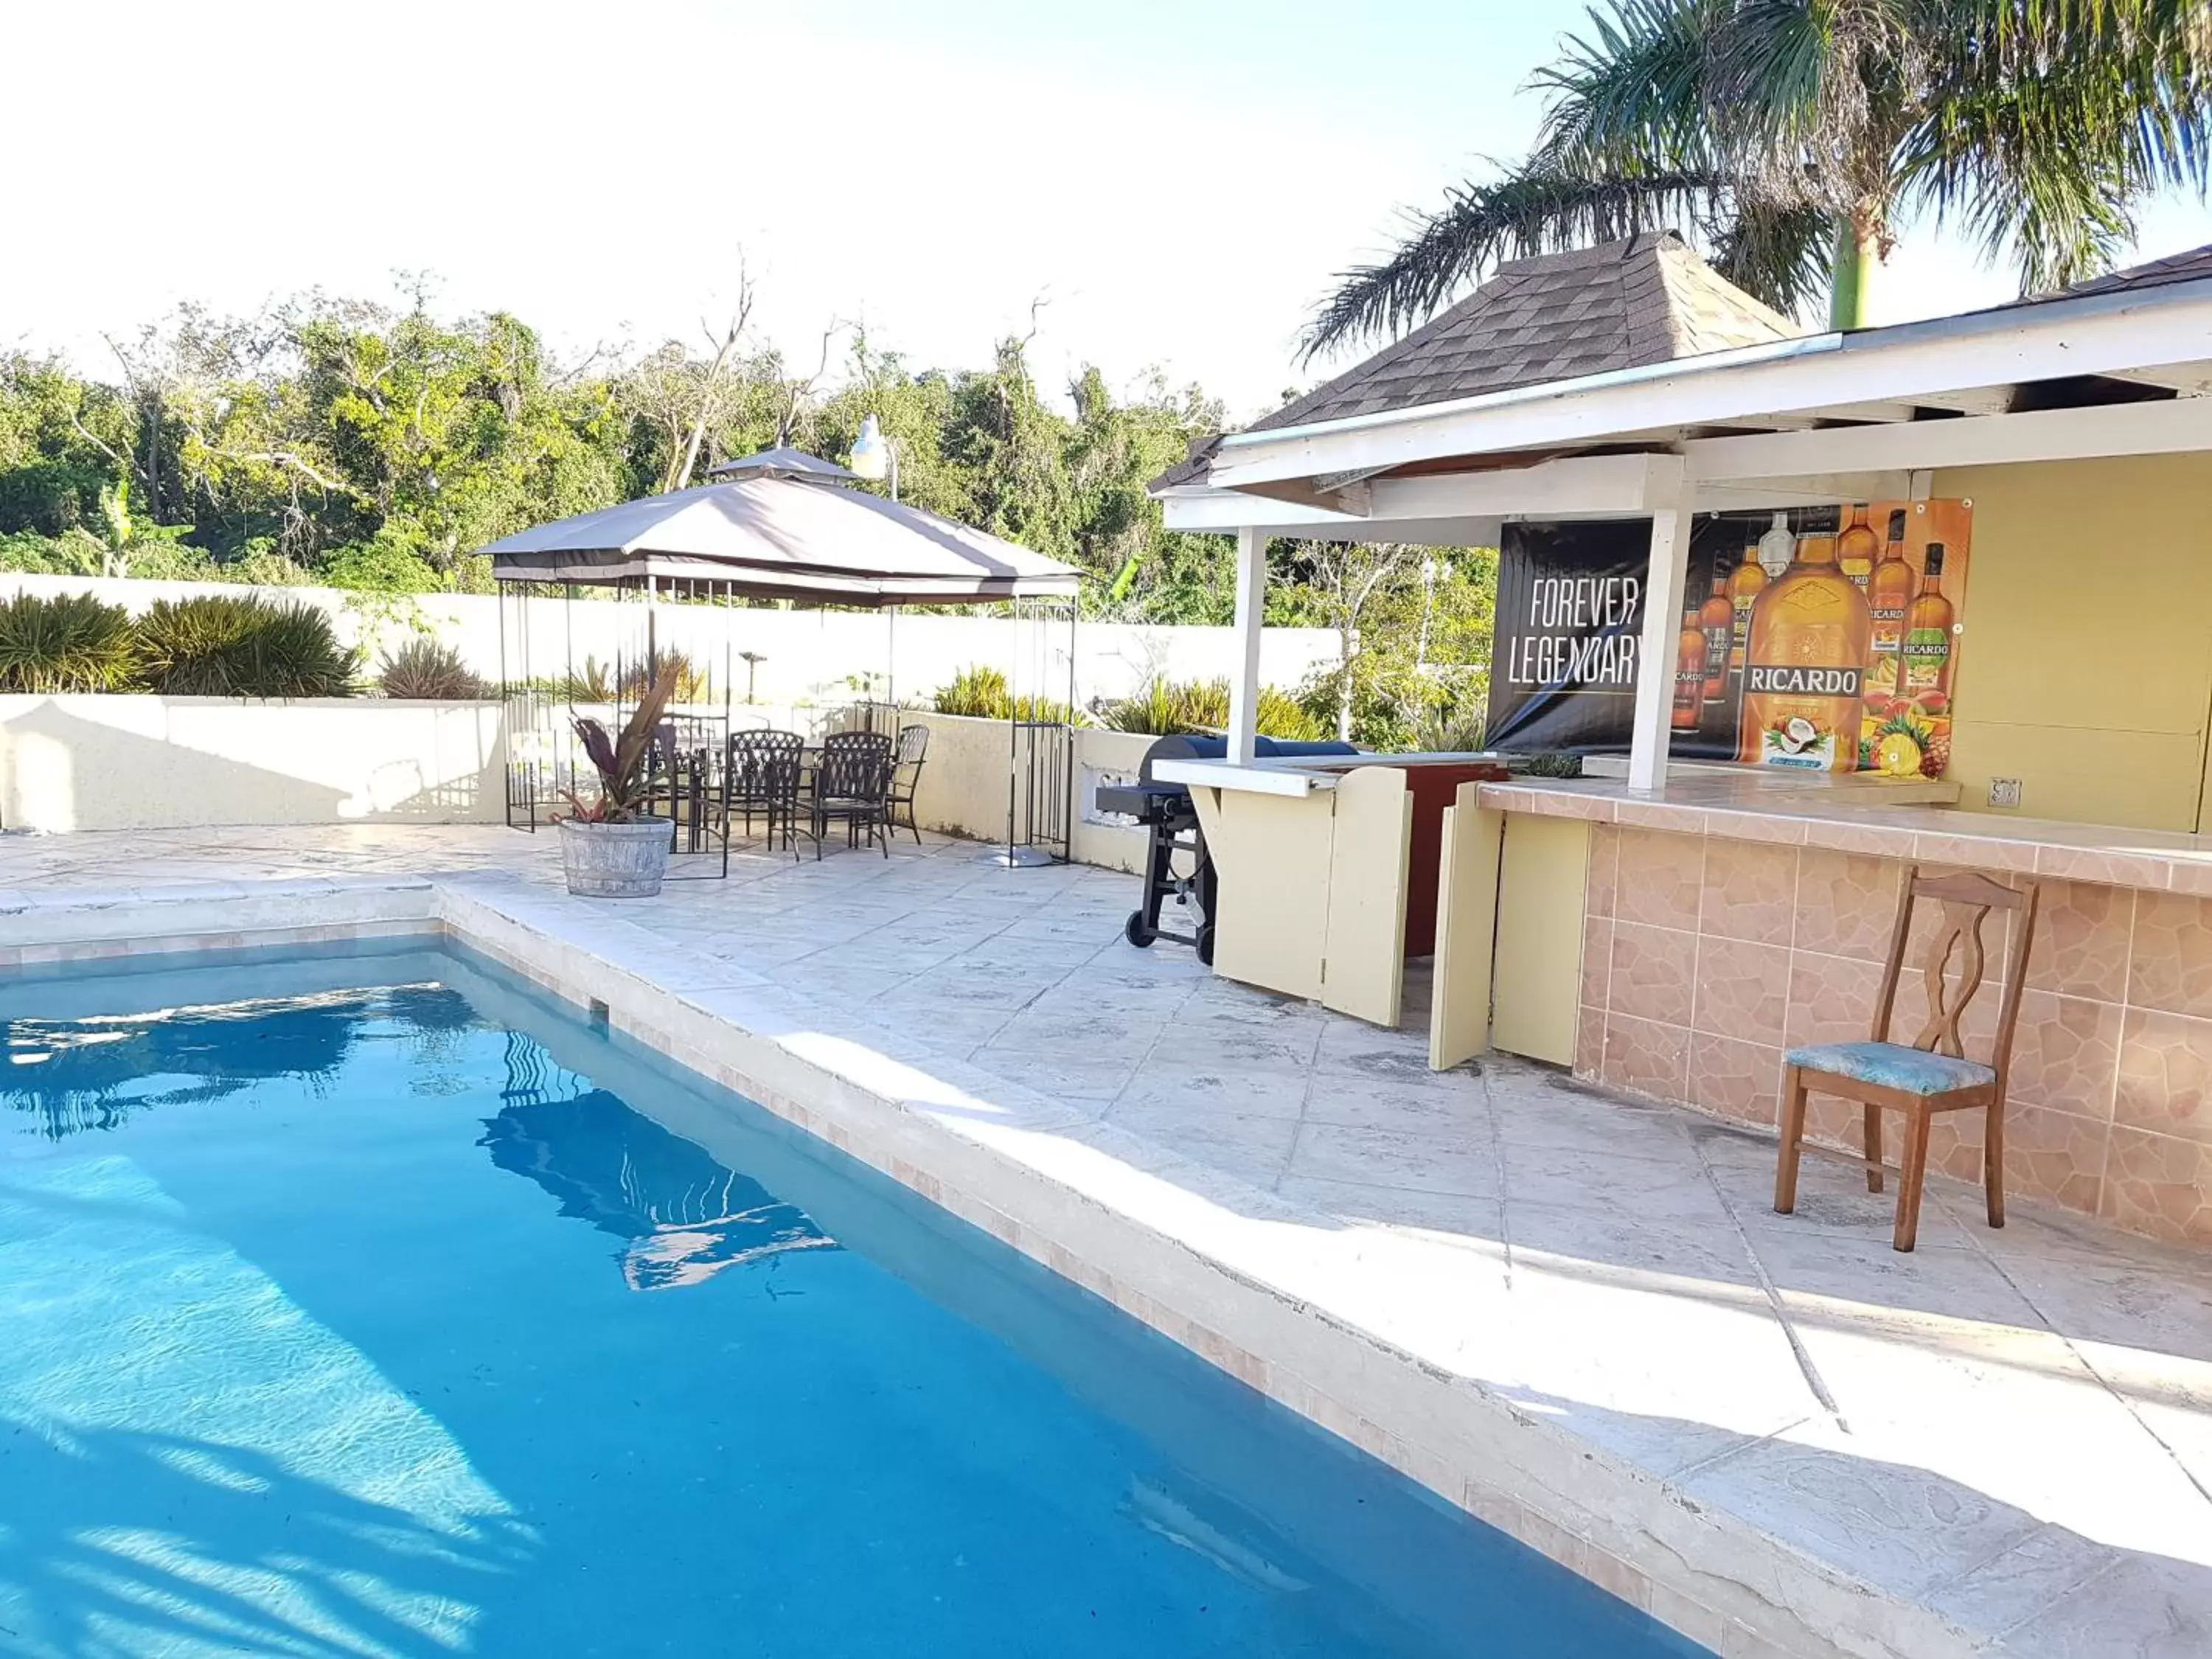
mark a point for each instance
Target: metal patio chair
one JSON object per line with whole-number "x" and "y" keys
{"x": 906, "y": 775}
{"x": 766, "y": 772}
{"x": 853, "y": 786}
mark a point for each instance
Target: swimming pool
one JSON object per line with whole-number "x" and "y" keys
{"x": 361, "y": 1302}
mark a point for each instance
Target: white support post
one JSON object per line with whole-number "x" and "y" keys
{"x": 1251, "y": 605}
{"x": 1662, "y": 625}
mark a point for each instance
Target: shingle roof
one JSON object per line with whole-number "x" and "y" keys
{"x": 2191, "y": 266}
{"x": 1620, "y": 305}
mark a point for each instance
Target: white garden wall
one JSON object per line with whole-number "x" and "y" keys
{"x": 964, "y": 786}
{"x": 83, "y": 763}
{"x": 137, "y": 763}
{"x": 807, "y": 657}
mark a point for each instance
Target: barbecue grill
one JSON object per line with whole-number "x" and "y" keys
{"x": 1170, "y": 822}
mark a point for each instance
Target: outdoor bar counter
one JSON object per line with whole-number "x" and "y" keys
{"x": 1717, "y": 920}
{"x": 1327, "y": 867}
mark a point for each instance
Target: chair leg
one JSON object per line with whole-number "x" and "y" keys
{"x": 1873, "y": 1142}
{"x": 1792, "y": 1131}
{"x": 1913, "y": 1172}
{"x": 1993, "y": 1163}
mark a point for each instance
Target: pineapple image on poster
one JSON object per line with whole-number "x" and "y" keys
{"x": 1913, "y": 596}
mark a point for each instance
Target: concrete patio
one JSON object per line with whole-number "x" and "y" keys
{"x": 2003, "y": 1442}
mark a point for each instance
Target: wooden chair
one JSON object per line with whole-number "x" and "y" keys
{"x": 1932, "y": 1073}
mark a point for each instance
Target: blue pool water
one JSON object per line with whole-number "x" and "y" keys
{"x": 360, "y": 1302}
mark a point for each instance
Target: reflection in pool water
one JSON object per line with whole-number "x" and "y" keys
{"x": 685, "y": 1215}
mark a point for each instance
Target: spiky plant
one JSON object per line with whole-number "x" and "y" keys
{"x": 1790, "y": 138}
{"x": 426, "y": 670}
{"x": 69, "y": 642}
{"x": 590, "y": 684}
{"x": 1164, "y": 706}
{"x": 974, "y": 690}
{"x": 619, "y": 760}
{"x": 228, "y": 645}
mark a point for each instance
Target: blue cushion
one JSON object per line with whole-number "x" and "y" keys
{"x": 1893, "y": 1065}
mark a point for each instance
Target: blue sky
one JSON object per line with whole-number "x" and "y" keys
{"x": 1175, "y": 182}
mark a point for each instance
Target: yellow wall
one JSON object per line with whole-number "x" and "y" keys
{"x": 2085, "y": 668}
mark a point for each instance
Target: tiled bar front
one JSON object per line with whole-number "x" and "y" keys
{"x": 1704, "y": 956}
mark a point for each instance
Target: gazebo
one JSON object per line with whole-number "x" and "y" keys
{"x": 785, "y": 528}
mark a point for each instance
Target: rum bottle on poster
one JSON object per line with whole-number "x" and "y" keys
{"x": 1689, "y": 675}
{"x": 1745, "y": 583}
{"x": 1927, "y": 652}
{"x": 1717, "y": 620}
{"x": 1856, "y": 548}
{"x": 1805, "y": 662}
{"x": 1889, "y": 591}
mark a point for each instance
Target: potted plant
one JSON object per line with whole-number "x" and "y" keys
{"x": 611, "y": 847}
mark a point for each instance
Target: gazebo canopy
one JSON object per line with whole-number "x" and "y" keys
{"x": 783, "y": 462}
{"x": 784, "y": 531}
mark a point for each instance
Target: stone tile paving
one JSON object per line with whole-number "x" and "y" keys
{"x": 2012, "y": 1427}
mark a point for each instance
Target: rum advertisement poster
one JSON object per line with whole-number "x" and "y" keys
{"x": 1819, "y": 639}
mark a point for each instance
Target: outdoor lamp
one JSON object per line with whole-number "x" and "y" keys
{"x": 874, "y": 456}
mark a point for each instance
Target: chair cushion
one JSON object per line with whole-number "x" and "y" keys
{"x": 1892, "y": 1066}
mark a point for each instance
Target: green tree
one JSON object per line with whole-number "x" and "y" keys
{"x": 63, "y": 441}
{"x": 1793, "y": 138}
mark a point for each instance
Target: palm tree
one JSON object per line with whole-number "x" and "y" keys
{"x": 1789, "y": 138}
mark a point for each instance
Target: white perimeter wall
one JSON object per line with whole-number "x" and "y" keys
{"x": 84, "y": 762}
{"x": 142, "y": 762}
{"x": 809, "y": 656}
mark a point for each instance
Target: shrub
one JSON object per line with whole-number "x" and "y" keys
{"x": 73, "y": 553}
{"x": 1163, "y": 708}
{"x": 70, "y": 642}
{"x": 981, "y": 692}
{"x": 227, "y": 646}
{"x": 383, "y": 565}
{"x": 1548, "y": 765}
{"x": 590, "y": 684}
{"x": 424, "y": 669}
{"x": 974, "y": 690}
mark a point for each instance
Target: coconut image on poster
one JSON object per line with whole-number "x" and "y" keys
{"x": 1816, "y": 639}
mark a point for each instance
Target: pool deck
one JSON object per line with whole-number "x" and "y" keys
{"x": 1571, "y": 1311}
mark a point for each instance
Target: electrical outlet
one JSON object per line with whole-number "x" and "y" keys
{"x": 2004, "y": 791}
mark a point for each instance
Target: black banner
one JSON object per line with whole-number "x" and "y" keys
{"x": 1570, "y": 622}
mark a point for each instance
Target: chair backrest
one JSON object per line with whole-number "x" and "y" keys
{"x": 856, "y": 765}
{"x": 913, "y": 744}
{"x": 767, "y": 762}
{"x": 1956, "y": 961}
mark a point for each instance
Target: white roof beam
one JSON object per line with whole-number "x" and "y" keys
{"x": 2190, "y": 379}
{"x": 2100, "y": 334}
{"x": 1810, "y": 489}
{"x": 1867, "y": 412}
{"x": 2049, "y": 435}
{"x": 1444, "y": 507}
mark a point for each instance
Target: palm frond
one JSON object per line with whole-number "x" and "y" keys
{"x": 1634, "y": 90}
{"x": 1780, "y": 253}
{"x": 2049, "y": 121}
{"x": 1529, "y": 212}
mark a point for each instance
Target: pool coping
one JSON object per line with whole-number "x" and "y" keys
{"x": 1102, "y": 1207}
